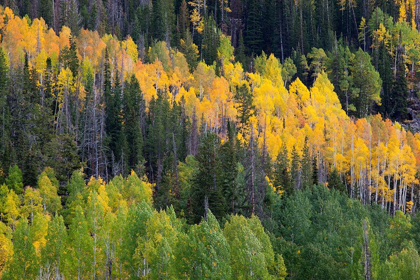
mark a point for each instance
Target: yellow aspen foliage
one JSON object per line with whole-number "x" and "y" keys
{"x": 50, "y": 200}
{"x": 40, "y": 231}
{"x": 402, "y": 12}
{"x": 130, "y": 48}
{"x": 6, "y": 245}
{"x": 65, "y": 85}
{"x": 197, "y": 21}
{"x": 11, "y": 209}
{"x": 272, "y": 71}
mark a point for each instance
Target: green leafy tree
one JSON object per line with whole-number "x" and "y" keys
{"x": 53, "y": 254}
{"x": 251, "y": 253}
{"x": 15, "y": 180}
{"x": 32, "y": 203}
{"x": 24, "y": 263}
{"x": 50, "y": 200}
{"x": 11, "y": 209}
{"x": 209, "y": 252}
{"x": 79, "y": 258}
{"x": 367, "y": 82}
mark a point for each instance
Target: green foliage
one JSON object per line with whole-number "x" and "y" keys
{"x": 14, "y": 180}
{"x": 251, "y": 253}
{"x": 282, "y": 178}
{"x": 207, "y": 191}
{"x": 367, "y": 83}
{"x": 335, "y": 182}
{"x": 79, "y": 257}
{"x": 24, "y": 262}
{"x": 53, "y": 254}
{"x": 133, "y": 107}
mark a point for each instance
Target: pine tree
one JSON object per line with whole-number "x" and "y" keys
{"x": 306, "y": 167}
{"x": 115, "y": 141}
{"x": 240, "y": 52}
{"x": 4, "y": 112}
{"x": 210, "y": 41}
{"x": 295, "y": 170}
{"x": 163, "y": 20}
{"x": 206, "y": 191}
{"x": 133, "y": 108}
{"x": 244, "y": 106}
{"x": 45, "y": 10}
{"x": 334, "y": 181}
{"x": 282, "y": 177}
{"x": 253, "y": 30}
{"x": 229, "y": 170}
{"x": 399, "y": 90}
{"x": 385, "y": 71}
{"x": 315, "y": 171}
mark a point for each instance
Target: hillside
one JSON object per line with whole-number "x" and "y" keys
{"x": 179, "y": 160}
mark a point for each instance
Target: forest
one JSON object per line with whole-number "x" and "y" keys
{"x": 229, "y": 139}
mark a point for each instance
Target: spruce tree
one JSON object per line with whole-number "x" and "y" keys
{"x": 4, "y": 112}
{"x": 206, "y": 191}
{"x": 253, "y": 30}
{"x": 229, "y": 170}
{"x": 385, "y": 71}
{"x": 334, "y": 181}
{"x": 244, "y": 106}
{"x": 133, "y": 109}
{"x": 306, "y": 166}
{"x": 282, "y": 177}
{"x": 295, "y": 170}
{"x": 45, "y": 10}
{"x": 399, "y": 90}
{"x": 210, "y": 41}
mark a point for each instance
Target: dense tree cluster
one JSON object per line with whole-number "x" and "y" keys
{"x": 71, "y": 102}
{"x": 111, "y": 231}
{"x": 224, "y": 140}
{"x": 306, "y": 31}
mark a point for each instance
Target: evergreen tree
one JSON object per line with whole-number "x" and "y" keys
{"x": 133, "y": 108}
{"x": 210, "y": 41}
{"x": 4, "y": 112}
{"x": 245, "y": 107}
{"x": 240, "y": 52}
{"x": 306, "y": 167}
{"x": 163, "y": 20}
{"x": 334, "y": 181}
{"x": 229, "y": 170}
{"x": 253, "y": 27}
{"x": 115, "y": 141}
{"x": 399, "y": 90}
{"x": 385, "y": 71}
{"x": 206, "y": 191}
{"x": 45, "y": 10}
{"x": 295, "y": 169}
{"x": 282, "y": 177}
